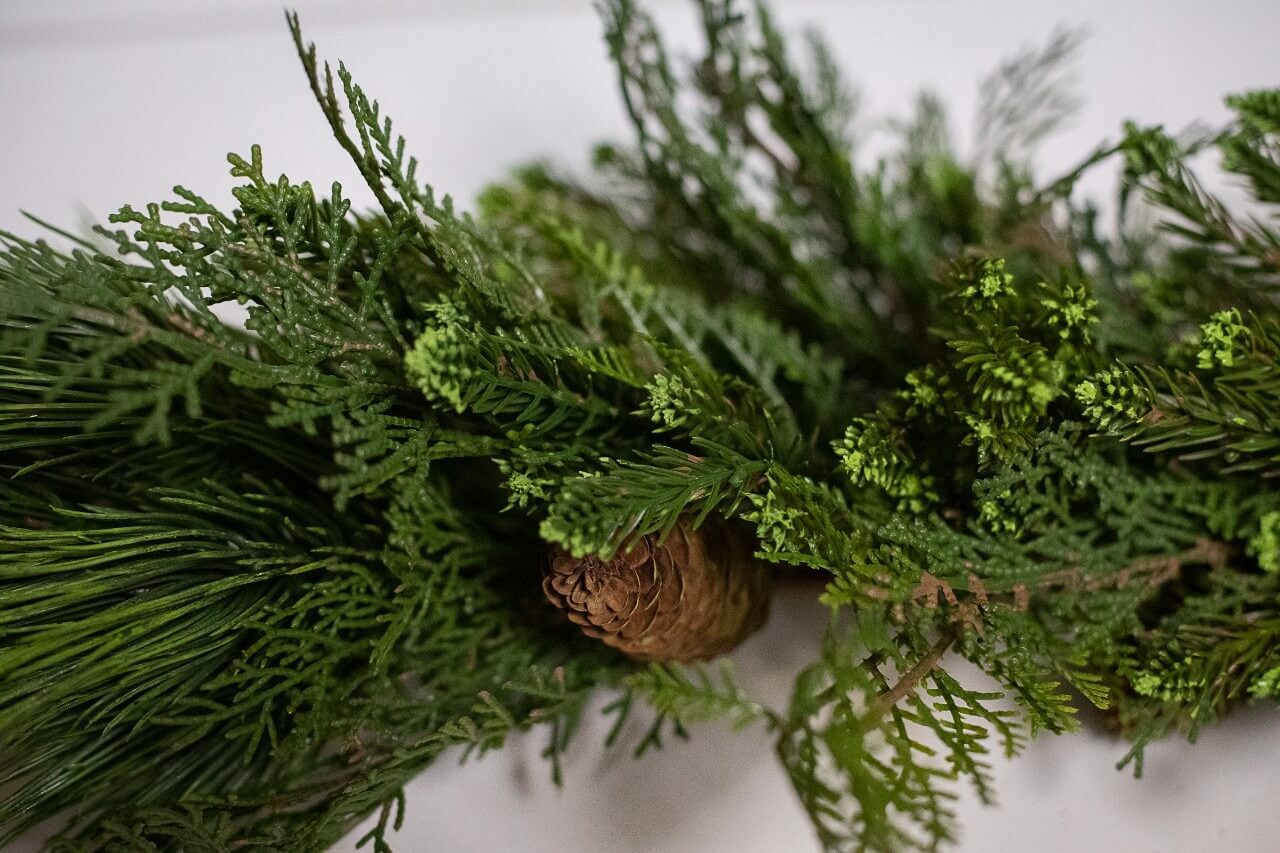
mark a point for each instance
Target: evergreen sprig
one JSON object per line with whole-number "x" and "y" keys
{"x": 276, "y": 481}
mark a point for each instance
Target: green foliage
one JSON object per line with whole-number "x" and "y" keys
{"x": 229, "y": 553}
{"x": 1221, "y": 408}
{"x": 256, "y": 575}
{"x": 694, "y": 695}
{"x": 1218, "y": 649}
{"x": 598, "y": 512}
{"x": 870, "y": 455}
{"x": 871, "y": 759}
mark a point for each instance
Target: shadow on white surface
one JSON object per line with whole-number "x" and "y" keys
{"x": 725, "y": 791}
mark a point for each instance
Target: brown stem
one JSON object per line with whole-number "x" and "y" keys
{"x": 910, "y": 679}
{"x": 1153, "y": 571}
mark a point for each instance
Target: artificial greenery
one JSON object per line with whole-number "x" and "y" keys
{"x": 257, "y": 573}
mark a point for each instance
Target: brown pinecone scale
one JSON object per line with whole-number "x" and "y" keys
{"x": 692, "y": 596}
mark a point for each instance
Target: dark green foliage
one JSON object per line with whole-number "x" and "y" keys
{"x": 256, "y": 575}
{"x": 229, "y": 555}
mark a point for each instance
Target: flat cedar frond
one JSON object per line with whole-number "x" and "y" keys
{"x": 255, "y": 575}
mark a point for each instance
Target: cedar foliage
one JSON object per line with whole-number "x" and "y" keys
{"x": 254, "y": 577}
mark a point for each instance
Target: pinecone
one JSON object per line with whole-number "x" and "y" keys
{"x": 695, "y": 595}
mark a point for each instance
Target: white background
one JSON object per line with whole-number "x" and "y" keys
{"x": 110, "y": 103}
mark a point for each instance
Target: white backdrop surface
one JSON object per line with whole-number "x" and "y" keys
{"x": 111, "y": 103}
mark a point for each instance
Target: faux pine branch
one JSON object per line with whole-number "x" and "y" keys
{"x": 255, "y": 576}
